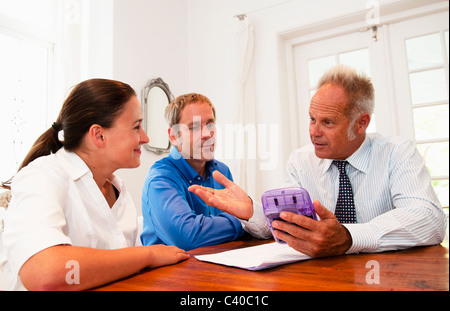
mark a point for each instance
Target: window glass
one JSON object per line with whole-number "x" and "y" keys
{"x": 424, "y": 51}
{"x": 446, "y": 43}
{"x": 433, "y": 153}
{"x": 441, "y": 188}
{"x": 316, "y": 68}
{"x": 358, "y": 59}
{"x": 372, "y": 125}
{"x": 428, "y": 86}
{"x": 431, "y": 122}
{"x": 23, "y": 100}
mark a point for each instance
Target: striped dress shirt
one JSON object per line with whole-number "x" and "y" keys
{"x": 396, "y": 206}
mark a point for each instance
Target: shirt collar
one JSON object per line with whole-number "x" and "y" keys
{"x": 73, "y": 164}
{"x": 186, "y": 169}
{"x": 359, "y": 159}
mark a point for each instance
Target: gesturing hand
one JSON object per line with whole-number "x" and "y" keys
{"x": 232, "y": 199}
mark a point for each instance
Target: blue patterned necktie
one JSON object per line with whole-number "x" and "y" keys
{"x": 345, "y": 206}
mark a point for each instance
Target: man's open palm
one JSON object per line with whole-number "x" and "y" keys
{"x": 232, "y": 199}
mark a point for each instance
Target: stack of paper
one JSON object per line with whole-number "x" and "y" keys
{"x": 256, "y": 257}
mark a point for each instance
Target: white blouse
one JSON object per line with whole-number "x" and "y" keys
{"x": 56, "y": 201}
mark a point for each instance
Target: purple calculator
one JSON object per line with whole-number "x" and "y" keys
{"x": 295, "y": 200}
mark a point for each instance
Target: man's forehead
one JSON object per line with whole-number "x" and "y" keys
{"x": 329, "y": 97}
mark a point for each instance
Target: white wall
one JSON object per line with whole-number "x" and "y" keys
{"x": 150, "y": 40}
{"x": 98, "y": 43}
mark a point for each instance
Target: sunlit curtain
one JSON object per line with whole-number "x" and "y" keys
{"x": 245, "y": 165}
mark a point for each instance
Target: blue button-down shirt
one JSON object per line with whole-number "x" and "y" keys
{"x": 175, "y": 216}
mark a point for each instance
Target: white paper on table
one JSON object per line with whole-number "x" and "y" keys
{"x": 256, "y": 257}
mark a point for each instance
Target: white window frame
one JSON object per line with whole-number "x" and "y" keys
{"x": 397, "y": 120}
{"x": 400, "y": 32}
{"x": 403, "y": 98}
{"x": 353, "y": 23}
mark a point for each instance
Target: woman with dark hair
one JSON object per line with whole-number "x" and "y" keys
{"x": 71, "y": 224}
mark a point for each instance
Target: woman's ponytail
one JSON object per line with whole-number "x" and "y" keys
{"x": 46, "y": 144}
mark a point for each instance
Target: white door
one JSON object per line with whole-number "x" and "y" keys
{"x": 420, "y": 52}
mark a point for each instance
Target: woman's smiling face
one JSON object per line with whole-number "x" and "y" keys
{"x": 126, "y": 136}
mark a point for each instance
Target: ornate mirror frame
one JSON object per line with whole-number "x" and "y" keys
{"x": 154, "y": 111}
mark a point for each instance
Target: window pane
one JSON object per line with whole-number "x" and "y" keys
{"x": 317, "y": 67}
{"x": 424, "y": 51}
{"x": 23, "y": 100}
{"x": 431, "y": 122}
{"x": 446, "y": 42}
{"x": 441, "y": 188}
{"x": 428, "y": 86}
{"x": 436, "y": 157}
{"x": 9, "y": 48}
{"x": 359, "y": 60}
{"x": 372, "y": 128}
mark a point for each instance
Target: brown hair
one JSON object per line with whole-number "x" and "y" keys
{"x": 94, "y": 101}
{"x": 173, "y": 110}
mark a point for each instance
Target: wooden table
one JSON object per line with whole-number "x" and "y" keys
{"x": 415, "y": 269}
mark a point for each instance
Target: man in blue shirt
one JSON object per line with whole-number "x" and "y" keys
{"x": 172, "y": 214}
